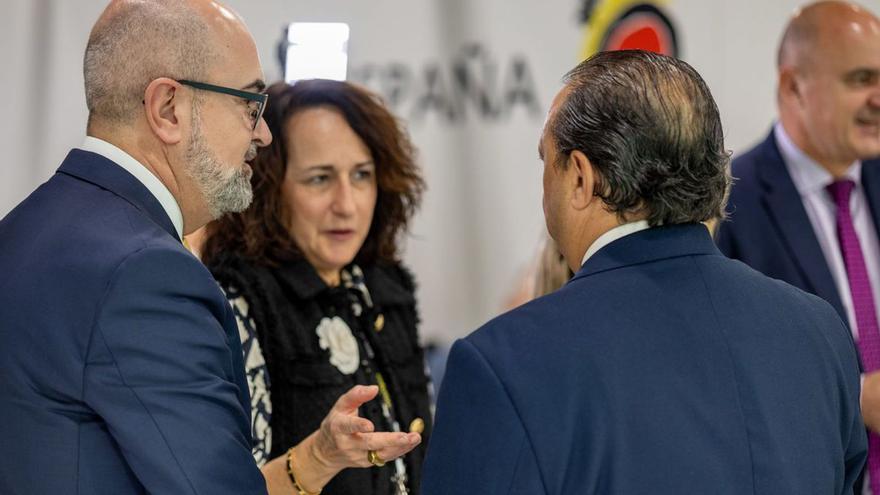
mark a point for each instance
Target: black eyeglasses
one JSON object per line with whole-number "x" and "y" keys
{"x": 259, "y": 98}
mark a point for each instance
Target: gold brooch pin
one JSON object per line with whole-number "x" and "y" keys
{"x": 380, "y": 322}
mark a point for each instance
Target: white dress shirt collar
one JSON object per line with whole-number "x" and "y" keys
{"x": 613, "y": 235}
{"x": 142, "y": 174}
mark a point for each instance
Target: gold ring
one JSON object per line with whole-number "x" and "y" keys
{"x": 374, "y": 458}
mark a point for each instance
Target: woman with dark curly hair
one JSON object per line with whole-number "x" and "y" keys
{"x": 325, "y": 310}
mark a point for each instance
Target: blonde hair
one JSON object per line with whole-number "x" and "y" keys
{"x": 551, "y": 269}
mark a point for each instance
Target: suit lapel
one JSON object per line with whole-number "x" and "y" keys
{"x": 871, "y": 183}
{"x": 98, "y": 170}
{"x": 786, "y": 210}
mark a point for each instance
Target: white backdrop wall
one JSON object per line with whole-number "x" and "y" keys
{"x": 481, "y": 219}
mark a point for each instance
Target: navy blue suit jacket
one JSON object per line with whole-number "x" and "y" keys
{"x": 661, "y": 367}
{"x": 120, "y": 363}
{"x": 768, "y": 228}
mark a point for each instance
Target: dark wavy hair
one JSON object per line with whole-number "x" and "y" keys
{"x": 261, "y": 233}
{"x": 651, "y": 130}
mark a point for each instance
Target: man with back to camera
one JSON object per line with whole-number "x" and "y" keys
{"x": 807, "y": 200}
{"x": 121, "y": 369}
{"x": 662, "y": 366}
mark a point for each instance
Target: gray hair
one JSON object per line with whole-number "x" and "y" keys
{"x": 136, "y": 43}
{"x": 651, "y": 130}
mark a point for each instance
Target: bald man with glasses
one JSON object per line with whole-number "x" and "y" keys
{"x": 121, "y": 368}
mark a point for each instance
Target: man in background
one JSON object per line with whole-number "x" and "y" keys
{"x": 806, "y": 203}
{"x": 121, "y": 369}
{"x": 662, "y": 366}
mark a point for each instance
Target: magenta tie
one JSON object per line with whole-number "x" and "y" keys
{"x": 863, "y": 305}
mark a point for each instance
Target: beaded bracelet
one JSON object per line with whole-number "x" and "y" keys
{"x": 296, "y": 486}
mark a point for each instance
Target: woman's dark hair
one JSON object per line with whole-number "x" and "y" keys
{"x": 261, "y": 233}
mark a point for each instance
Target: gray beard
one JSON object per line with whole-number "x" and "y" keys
{"x": 222, "y": 194}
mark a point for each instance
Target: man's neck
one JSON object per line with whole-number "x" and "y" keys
{"x": 158, "y": 162}
{"x": 613, "y": 234}
{"x": 587, "y": 232}
{"x": 798, "y": 136}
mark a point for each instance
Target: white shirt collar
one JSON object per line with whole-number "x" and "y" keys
{"x": 141, "y": 173}
{"x": 613, "y": 235}
{"x": 808, "y": 176}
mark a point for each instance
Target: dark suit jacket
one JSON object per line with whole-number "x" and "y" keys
{"x": 661, "y": 367}
{"x": 769, "y": 229}
{"x": 120, "y": 362}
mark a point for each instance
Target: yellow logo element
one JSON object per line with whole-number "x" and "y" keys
{"x": 627, "y": 24}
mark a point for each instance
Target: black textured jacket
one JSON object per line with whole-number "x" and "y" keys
{"x": 287, "y": 304}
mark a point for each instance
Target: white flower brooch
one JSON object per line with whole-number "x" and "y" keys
{"x": 335, "y": 335}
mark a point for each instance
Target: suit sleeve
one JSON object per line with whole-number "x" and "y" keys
{"x": 856, "y": 445}
{"x": 160, "y": 374}
{"x": 479, "y": 444}
{"x": 854, "y": 440}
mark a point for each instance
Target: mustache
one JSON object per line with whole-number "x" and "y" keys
{"x": 869, "y": 112}
{"x": 252, "y": 153}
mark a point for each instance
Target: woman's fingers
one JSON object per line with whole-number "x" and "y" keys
{"x": 347, "y": 438}
{"x": 352, "y": 450}
{"x": 349, "y": 402}
{"x": 389, "y": 445}
{"x": 348, "y": 425}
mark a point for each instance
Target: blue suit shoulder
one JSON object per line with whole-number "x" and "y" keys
{"x": 519, "y": 327}
{"x": 85, "y": 218}
{"x": 72, "y": 230}
{"x": 504, "y": 460}
{"x": 784, "y": 293}
{"x": 141, "y": 346}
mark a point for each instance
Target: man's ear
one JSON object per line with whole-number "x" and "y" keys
{"x": 165, "y": 109}
{"x": 789, "y": 84}
{"x": 581, "y": 180}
